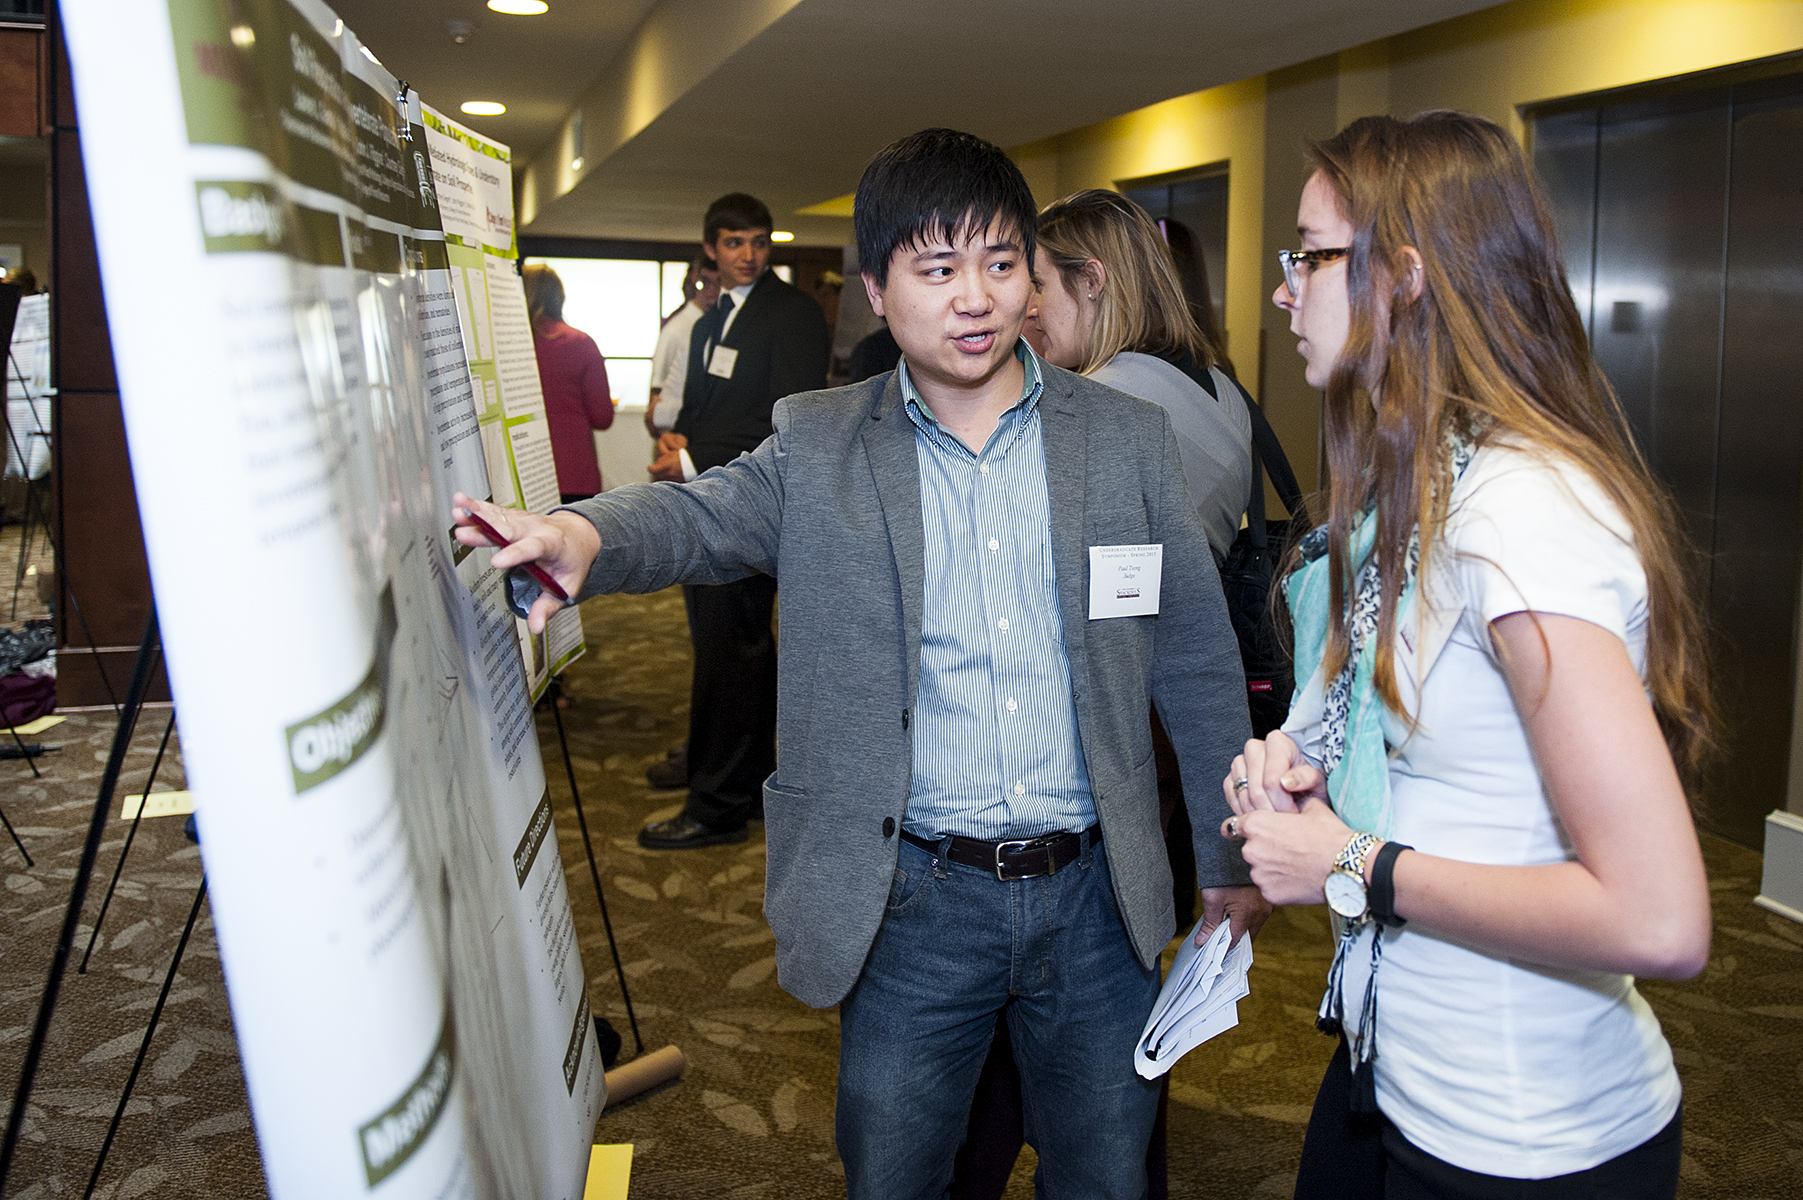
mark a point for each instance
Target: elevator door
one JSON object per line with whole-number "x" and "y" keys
{"x": 1682, "y": 222}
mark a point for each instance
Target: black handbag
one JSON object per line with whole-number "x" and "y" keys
{"x": 1250, "y": 571}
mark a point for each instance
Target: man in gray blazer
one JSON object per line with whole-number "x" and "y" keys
{"x": 964, "y": 814}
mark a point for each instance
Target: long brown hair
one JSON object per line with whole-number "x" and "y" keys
{"x": 1142, "y": 306}
{"x": 1490, "y": 347}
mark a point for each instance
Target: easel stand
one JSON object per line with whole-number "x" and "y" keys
{"x": 119, "y": 868}
{"x": 553, "y": 694}
{"x": 78, "y": 891}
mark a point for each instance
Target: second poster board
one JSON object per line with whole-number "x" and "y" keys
{"x": 474, "y": 180}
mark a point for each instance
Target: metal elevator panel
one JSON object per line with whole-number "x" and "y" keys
{"x": 1661, "y": 193}
{"x": 1565, "y": 156}
{"x": 1683, "y": 238}
{"x": 1759, "y": 457}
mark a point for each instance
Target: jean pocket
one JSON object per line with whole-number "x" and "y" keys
{"x": 906, "y": 888}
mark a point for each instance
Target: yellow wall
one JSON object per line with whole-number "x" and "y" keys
{"x": 1490, "y": 62}
{"x": 1534, "y": 50}
{"x": 1223, "y": 124}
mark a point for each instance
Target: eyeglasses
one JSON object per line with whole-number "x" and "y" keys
{"x": 1294, "y": 261}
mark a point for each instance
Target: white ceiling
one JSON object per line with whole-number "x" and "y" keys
{"x": 789, "y": 98}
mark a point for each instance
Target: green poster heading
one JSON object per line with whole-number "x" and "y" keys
{"x": 392, "y": 1138}
{"x": 321, "y": 746}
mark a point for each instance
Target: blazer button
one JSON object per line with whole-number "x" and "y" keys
{"x": 904, "y": 718}
{"x": 888, "y": 827}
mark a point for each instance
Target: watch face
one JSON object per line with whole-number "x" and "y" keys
{"x": 1346, "y": 894}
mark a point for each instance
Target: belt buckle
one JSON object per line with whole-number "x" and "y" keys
{"x": 1042, "y": 842}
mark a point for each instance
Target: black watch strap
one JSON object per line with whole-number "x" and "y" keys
{"x": 1383, "y": 885}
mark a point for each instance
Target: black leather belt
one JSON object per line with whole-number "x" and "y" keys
{"x": 1018, "y": 858}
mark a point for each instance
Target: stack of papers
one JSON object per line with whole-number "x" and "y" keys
{"x": 1200, "y": 999}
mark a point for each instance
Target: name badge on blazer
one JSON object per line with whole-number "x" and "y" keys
{"x": 722, "y": 361}
{"x": 1123, "y": 580}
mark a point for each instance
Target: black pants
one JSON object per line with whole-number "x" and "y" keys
{"x": 1360, "y": 1156}
{"x": 732, "y": 702}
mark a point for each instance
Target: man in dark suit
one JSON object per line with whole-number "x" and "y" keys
{"x": 965, "y": 819}
{"x": 764, "y": 340}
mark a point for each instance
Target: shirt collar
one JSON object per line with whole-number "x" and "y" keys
{"x": 1032, "y": 386}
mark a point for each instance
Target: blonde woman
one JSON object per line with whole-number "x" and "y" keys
{"x": 1110, "y": 307}
{"x": 1500, "y": 681}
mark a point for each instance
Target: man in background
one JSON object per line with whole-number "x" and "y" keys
{"x": 670, "y": 360}
{"x": 764, "y": 340}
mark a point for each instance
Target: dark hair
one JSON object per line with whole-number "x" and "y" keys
{"x": 1192, "y": 276}
{"x": 544, "y": 293}
{"x": 937, "y": 183}
{"x": 735, "y": 210}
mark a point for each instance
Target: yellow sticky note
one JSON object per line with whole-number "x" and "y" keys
{"x": 39, "y": 725}
{"x": 609, "y": 1171}
{"x": 162, "y": 804}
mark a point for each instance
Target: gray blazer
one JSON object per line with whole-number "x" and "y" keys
{"x": 830, "y": 505}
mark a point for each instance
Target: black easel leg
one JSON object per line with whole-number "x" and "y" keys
{"x": 31, "y": 495}
{"x": 593, "y": 870}
{"x": 15, "y": 836}
{"x": 78, "y": 892}
{"x": 130, "y": 834}
{"x": 150, "y": 1031}
{"x": 30, "y": 760}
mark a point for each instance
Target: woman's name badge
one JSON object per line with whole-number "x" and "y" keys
{"x": 722, "y": 361}
{"x": 1123, "y": 580}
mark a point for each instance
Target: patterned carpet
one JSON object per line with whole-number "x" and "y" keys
{"x": 753, "y": 1116}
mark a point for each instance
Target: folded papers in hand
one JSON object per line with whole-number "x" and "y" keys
{"x": 1200, "y": 999}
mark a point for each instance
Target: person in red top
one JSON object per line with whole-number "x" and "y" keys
{"x": 574, "y": 378}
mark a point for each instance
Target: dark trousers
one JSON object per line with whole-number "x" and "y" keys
{"x": 1362, "y": 1156}
{"x": 732, "y": 702}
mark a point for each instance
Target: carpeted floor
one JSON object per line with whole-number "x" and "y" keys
{"x": 753, "y": 1116}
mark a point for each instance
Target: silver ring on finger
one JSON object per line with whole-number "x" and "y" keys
{"x": 1241, "y": 784}
{"x": 1233, "y": 827}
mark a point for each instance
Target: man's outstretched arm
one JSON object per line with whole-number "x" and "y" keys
{"x": 562, "y": 544}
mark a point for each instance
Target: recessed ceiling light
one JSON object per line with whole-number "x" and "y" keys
{"x": 782, "y": 235}
{"x": 519, "y": 8}
{"x": 483, "y": 108}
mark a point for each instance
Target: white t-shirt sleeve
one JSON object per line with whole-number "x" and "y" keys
{"x": 1529, "y": 535}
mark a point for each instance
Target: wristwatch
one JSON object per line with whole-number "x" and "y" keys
{"x": 1345, "y": 885}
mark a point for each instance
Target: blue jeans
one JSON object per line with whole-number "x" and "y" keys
{"x": 957, "y": 946}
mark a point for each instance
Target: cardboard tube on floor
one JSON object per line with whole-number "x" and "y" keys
{"x": 643, "y": 1074}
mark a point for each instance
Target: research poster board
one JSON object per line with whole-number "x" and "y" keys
{"x": 390, "y": 903}
{"x": 474, "y": 180}
{"x": 28, "y": 391}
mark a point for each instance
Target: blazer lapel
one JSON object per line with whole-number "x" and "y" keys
{"x": 1064, "y": 427}
{"x": 889, "y": 446}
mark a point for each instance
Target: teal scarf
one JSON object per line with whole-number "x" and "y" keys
{"x": 1353, "y": 750}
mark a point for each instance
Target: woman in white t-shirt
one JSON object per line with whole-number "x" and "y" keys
{"x": 1501, "y": 681}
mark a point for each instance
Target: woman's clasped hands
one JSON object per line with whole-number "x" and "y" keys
{"x": 1280, "y": 811}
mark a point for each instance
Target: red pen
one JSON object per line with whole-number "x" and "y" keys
{"x": 539, "y": 573}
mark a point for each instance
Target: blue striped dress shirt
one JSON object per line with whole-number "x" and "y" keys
{"x": 996, "y": 753}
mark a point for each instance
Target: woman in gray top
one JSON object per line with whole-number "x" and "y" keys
{"x": 1110, "y": 307}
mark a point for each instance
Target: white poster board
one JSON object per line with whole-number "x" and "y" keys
{"x": 392, "y": 917}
